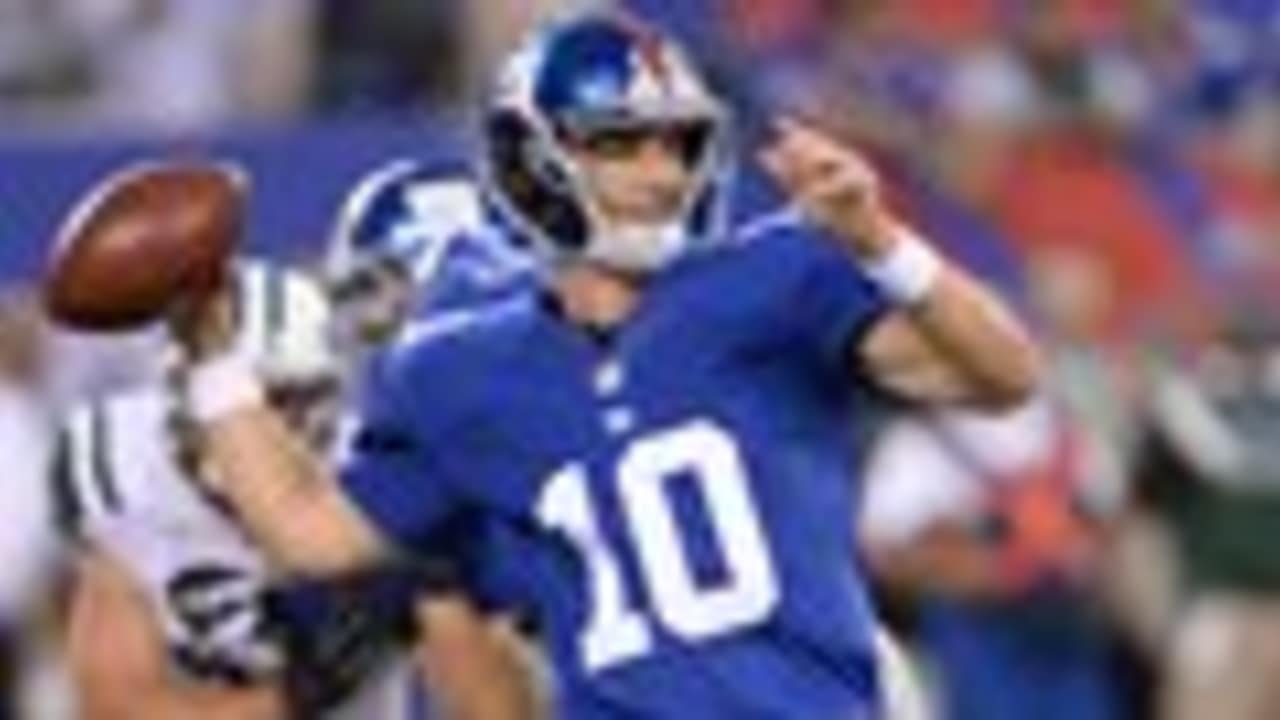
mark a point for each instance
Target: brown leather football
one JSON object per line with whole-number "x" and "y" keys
{"x": 141, "y": 239}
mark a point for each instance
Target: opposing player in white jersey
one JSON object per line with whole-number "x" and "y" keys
{"x": 168, "y": 580}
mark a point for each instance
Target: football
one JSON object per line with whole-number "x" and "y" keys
{"x": 142, "y": 238}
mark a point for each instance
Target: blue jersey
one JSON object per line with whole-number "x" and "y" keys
{"x": 671, "y": 506}
{"x": 472, "y": 268}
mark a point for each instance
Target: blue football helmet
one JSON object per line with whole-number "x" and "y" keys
{"x": 401, "y": 214}
{"x": 601, "y": 72}
{"x": 391, "y": 236}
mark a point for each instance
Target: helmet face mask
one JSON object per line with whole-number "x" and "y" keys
{"x": 371, "y": 303}
{"x": 601, "y": 88}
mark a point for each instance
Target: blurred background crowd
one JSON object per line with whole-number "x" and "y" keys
{"x": 1113, "y": 167}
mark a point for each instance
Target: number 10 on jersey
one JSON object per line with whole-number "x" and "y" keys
{"x": 707, "y": 456}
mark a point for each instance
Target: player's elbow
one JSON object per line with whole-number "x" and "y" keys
{"x": 1014, "y": 382}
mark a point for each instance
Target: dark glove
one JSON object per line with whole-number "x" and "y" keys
{"x": 334, "y": 639}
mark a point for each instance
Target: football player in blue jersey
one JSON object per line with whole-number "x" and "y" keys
{"x": 648, "y": 454}
{"x": 409, "y": 242}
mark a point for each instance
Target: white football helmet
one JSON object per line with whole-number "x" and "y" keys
{"x": 284, "y": 327}
{"x": 283, "y": 323}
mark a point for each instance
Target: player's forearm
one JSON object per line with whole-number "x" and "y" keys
{"x": 975, "y": 351}
{"x": 959, "y": 343}
{"x": 287, "y": 501}
{"x": 978, "y": 340}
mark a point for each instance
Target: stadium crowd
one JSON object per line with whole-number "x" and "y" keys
{"x": 1113, "y": 168}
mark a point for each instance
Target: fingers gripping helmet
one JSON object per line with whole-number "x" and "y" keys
{"x": 283, "y": 327}
{"x": 600, "y": 72}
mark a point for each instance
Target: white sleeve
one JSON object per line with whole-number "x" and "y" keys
{"x": 132, "y": 499}
{"x": 88, "y": 366}
{"x": 84, "y": 477}
{"x": 29, "y": 543}
{"x": 117, "y": 464}
{"x": 911, "y": 482}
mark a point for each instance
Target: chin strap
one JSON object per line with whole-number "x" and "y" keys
{"x": 638, "y": 247}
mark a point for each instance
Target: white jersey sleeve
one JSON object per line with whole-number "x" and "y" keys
{"x": 127, "y": 493}
{"x": 30, "y": 548}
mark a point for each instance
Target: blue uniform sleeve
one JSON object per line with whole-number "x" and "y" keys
{"x": 835, "y": 304}
{"x": 387, "y": 467}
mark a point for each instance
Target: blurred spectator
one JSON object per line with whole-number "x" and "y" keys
{"x": 26, "y": 542}
{"x": 1239, "y": 158}
{"x": 989, "y": 90}
{"x": 155, "y": 65}
{"x": 1069, "y": 189}
{"x": 179, "y": 65}
{"x": 951, "y": 23}
{"x": 1210, "y": 471}
{"x": 28, "y": 537}
{"x": 392, "y": 55}
{"x": 1074, "y": 291}
{"x": 994, "y": 523}
{"x": 42, "y": 62}
{"x": 1081, "y": 74}
{"x": 389, "y": 54}
{"x": 1159, "y": 39}
{"x": 494, "y": 28}
{"x": 869, "y": 80}
{"x": 949, "y": 176}
{"x": 274, "y": 60}
{"x": 1100, "y": 384}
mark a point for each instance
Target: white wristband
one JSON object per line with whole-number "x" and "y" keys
{"x": 907, "y": 272}
{"x": 220, "y": 386}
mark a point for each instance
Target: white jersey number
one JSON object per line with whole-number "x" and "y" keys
{"x": 706, "y": 455}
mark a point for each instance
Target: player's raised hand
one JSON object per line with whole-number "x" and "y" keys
{"x": 831, "y": 182}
